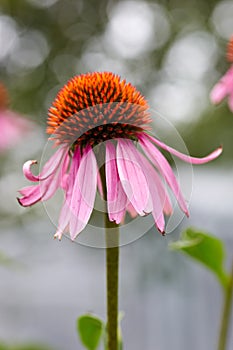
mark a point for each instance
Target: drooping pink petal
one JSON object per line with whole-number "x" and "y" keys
{"x": 132, "y": 177}
{"x": 73, "y": 172}
{"x": 184, "y": 157}
{"x": 27, "y": 170}
{"x": 116, "y": 197}
{"x": 118, "y": 209}
{"x": 31, "y": 195}
{"x": 157, "y": 211}
{"x": 157, "y": 182}
{"x": 50, "y": 179}
{"x": 65, "y": 214}
{"x": 41, "y": 192}
{"x": 63, "y": 222}
{"x": 158, "y": 214}
{"x": 84, "y": 192}
{"x": 165, "y": 169}
{"x": 63, "y": 173}
{"x": 49, "y": 168}
{"x": 157, "y": 205}
{"x": 49, "y": 186}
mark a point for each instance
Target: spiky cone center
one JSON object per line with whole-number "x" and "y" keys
{"x": 229, "y": 53}
{"x": 94, "y": 107}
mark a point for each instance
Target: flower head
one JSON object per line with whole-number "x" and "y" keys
{"x": 90, "y": 111}
{"x": 12, "y": 125}
{"x": 224, "y": 88}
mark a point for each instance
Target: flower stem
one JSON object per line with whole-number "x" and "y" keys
{"x": 112, "y": 260}
{"x": 226, "y": 313}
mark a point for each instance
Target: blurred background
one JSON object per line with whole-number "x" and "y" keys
{"x": 174, "y": 52}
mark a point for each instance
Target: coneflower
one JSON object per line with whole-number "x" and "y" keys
{"x": 101, "y": 109}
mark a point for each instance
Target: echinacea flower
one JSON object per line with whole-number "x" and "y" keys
{"x": 224, "y": 88}
{"x": 95, "y": 110}
{"x": 13, "y": 127}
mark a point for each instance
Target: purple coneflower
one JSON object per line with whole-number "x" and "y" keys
{"x": 90, "y": 111}
{"x": 224, "y": 88}
{"x": 13, "y": 127}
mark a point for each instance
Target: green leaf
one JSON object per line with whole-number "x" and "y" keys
{"x": 90, "y": 329}
{"x": 205, "y": 248}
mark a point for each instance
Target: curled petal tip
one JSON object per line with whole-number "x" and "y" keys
{"x": 220, "y": 149}
{"x": 215, "y": 154}
{"x": 19, "y": 201}
{"x": 33, "y": 161}
{"x": 27, "y": 170}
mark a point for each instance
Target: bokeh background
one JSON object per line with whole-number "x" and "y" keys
{"x": 174, "y": 52}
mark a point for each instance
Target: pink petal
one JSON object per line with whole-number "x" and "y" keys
{"x": 31, "y": 195}
{"x": 84, "y": 192}
{"x": 65, "y": 213}
{"x": 157, "y": 201}
{"x": 76, "y": 160}
{"x": 157, "y": 182}
{"x": 132, "y": 177}
{"x": 163, "y": 166}
{"x": 184, "y": 157}
{"x": 27, "y": 170}
{"x": 63, "y": 173}
{"x": 41, "y": 192}
{"x": 48, "y": 184}
{"x": 116, "y": 197}
{"x": 64, "y": 219}
{"x": 49, "y": 168}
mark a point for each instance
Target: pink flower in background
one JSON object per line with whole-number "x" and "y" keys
{"x": 13, "y": 127}
{"x": 224, "y": 88}
{"x": 97, "y": 117}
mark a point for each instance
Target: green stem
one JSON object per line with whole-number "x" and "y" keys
{"x": 112, "y": 262}
{"x": 226, "y": 313}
